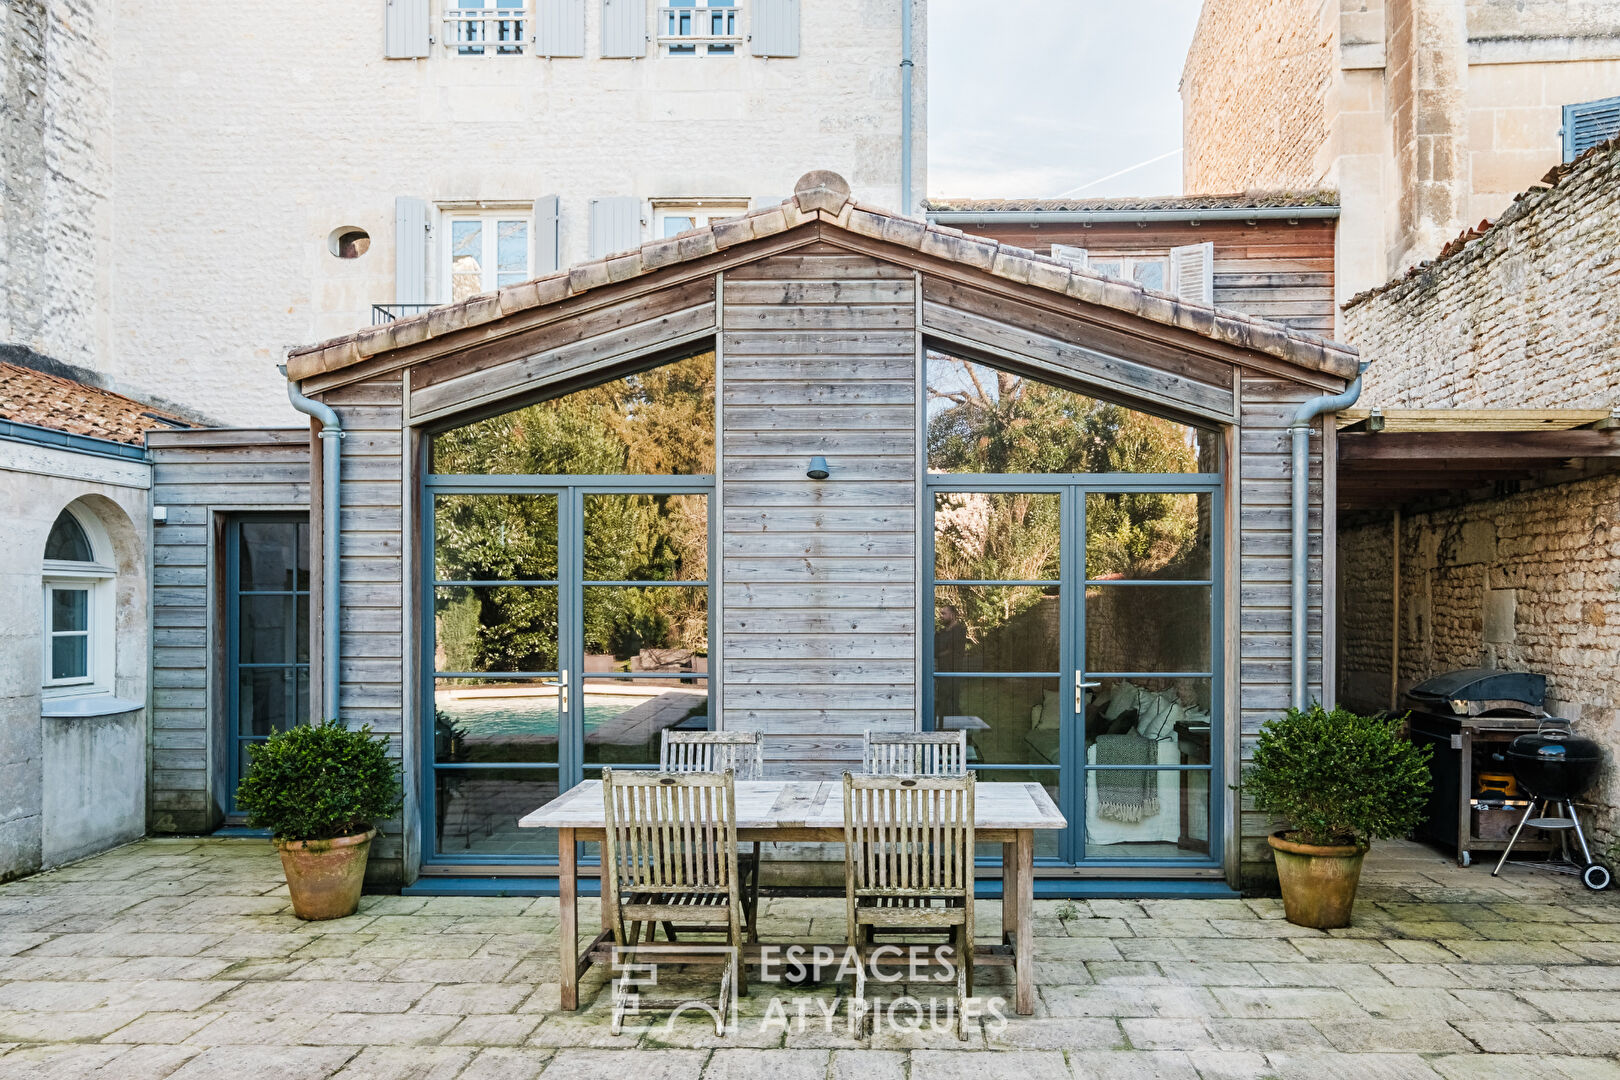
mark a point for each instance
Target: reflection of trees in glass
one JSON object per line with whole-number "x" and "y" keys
{"x": 656, "y": 422}
{"x": 984, "y": 420}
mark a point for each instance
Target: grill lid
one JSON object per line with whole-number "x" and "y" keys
{"x": 1477, "y": 686}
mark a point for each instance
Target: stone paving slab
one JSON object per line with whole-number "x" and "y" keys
{"x": 181, "y": 958}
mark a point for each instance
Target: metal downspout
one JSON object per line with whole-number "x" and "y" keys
{"x": 905, "y": 107}
{"x": 331, "y": 490}
{"x": 1299, "y": 432}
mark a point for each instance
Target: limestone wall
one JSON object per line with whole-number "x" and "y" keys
{"x": 1524, "y": 316}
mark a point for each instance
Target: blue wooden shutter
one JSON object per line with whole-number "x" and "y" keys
{"x": 615, "y": 224}
{"x": 410, "y": 251}
{"x": 624, "y": 28}
{"x": 559, "y": 28}
{"x": 773, "y": 27}
{"x": 405, "y": 29}
{"x": 1589, "y": 123}
{"x": 547, "y": 253}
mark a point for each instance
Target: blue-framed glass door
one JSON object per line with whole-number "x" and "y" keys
{"x": 554, "y": 645}
{"x": 1083, "y": 652}
{"x": 266, "y": 632}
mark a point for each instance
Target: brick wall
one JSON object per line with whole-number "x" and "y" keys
{"x": 1252, "y": 91}
{"x": 1524, "y": 316}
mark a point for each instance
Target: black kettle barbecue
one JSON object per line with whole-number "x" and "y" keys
{"x": 1553, "y": 765}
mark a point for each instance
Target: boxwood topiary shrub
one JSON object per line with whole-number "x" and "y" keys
{"x": 1339, "y": 777}
{"x": 320, "y": 781}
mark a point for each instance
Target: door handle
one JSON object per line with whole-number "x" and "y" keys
{"x": 562, "y": 690}
{"x": 1080, "y": 688}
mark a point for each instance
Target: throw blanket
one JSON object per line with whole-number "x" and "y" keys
{"x": 1127, "y": 796}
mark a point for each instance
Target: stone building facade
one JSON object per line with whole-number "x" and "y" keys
{"x": 1425, "y": 115}
{"x": 1523, "y": 315}
{"x": 199, "y": 173}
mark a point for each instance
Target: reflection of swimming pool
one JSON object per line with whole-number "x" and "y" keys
{"x": 527, "y": 715}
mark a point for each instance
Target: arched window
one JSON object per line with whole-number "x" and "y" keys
{"x": 78, "y": 631}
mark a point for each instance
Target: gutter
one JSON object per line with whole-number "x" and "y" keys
{"x": 1299, "y": 432}
{"x": 331, "y": 500}
{"x": 33, "y": 434}
{"x": 905, "y": 107}
{"x": 1142, "y": 217}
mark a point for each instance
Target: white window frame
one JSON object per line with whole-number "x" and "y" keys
{"x": 96, "y": 578}
{"x": 700, "y": 34}
{"x": 701, "y": 210}
{"x": 1083, "y": 258}
{"x": 489, "y": 215}
{"x": 487, "y": 19}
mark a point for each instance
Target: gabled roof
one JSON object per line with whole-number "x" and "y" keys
{"x": 1248, "y": 200}
{"x": 50, "y": 401}
{"x": 823, "y": 197}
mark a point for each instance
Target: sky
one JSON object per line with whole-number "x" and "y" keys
{"x": 1041, "y": 98}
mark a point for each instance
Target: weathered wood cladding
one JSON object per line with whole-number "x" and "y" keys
{"x": 1279, "y": 270}
{"x": 199, "y": 477}
{"x": 818, "y": 578}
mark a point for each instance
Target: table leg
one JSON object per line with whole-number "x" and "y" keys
{"x": 1009, "y": 892}
{"x": 1024, "y": 931}
{"x": 568, "y": 919}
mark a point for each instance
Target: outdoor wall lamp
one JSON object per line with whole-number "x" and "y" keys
{"x": 1375, "y": 419}
{"x": 818, "y": 468}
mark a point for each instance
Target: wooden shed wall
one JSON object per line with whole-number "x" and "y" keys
{"x": 1274, "y": 269}
{"x": 818, "y": 580}
{"x": 198, "y": 477}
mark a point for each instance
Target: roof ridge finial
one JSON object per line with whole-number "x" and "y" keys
{"x": 821, "y": 189}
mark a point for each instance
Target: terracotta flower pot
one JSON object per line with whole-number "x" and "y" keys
{"x": 324, "y": 876}
{"x": 1318, "y": 883}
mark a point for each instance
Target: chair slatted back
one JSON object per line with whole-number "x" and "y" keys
{"x": 712, "y": 751}
{"x": 916, "y": 753}
{"x": 908, "y": 836}
{"x": 669, "y": 834}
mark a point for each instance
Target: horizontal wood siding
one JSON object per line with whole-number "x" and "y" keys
{"x": 1274, "y": 269}
{"x": 818, "y": 579}
{"x": 371, "y": 545}
{"x": 197, "y": 476}
{"x": 1264, "y": 642}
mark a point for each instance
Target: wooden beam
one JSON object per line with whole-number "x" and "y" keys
{"x": 1479, "y": 448}
{"x": 1402, "y": 420}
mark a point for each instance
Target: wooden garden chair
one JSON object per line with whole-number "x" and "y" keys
{"x": 716, "y": 751}
{"x": 915, "y": 753}
{"x": 670, "y": 852}
{"x": 908, "y": 866}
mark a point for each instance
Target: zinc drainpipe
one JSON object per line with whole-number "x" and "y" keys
{"x": 905, "y": 107}
{"x": 331, "y": 490}
{"x": 1299, "y": 432}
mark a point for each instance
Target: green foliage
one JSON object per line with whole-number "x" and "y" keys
{"x": 1338, "y": 777}
{"x": 320, "y": 781}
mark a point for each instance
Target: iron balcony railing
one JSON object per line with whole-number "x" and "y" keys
{"x": 698, "y": 26}
{"x": 486, "y": 31}
{"x": 387, "y": 313}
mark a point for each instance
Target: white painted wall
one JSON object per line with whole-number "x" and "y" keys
{"x": 244, "y": 136}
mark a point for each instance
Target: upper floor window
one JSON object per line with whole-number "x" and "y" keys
{"x": 671, "y": 217}
{"x": 699, "y": 27}
{"x": 486, "y": 27}
{"x": 1186, "y": 271}
{"x": 78, "y": 595}
{"x": 487, "y": 250}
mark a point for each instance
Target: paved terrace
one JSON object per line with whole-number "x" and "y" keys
{"x": 179, "y": 958}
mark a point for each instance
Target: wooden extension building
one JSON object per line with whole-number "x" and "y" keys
{"x": 815, "y": 471}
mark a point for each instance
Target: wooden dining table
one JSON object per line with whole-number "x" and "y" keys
{"x": 773, "y": 811}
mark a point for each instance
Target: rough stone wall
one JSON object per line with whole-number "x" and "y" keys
{"x": 243, "y": 142}
{"x": 1524, "y": 315}
{"x": 55, "y": 178}
{"x": 1252, "y": 93}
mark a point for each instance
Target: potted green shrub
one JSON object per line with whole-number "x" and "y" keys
{"x": 1342, "y": 780}
{"x": 320, "y": 789}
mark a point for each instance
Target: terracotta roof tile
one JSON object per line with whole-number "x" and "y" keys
{"x": 1250, "y": 200}
{"x": 824, "y": 196}
{"x": 49, "y": 401}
